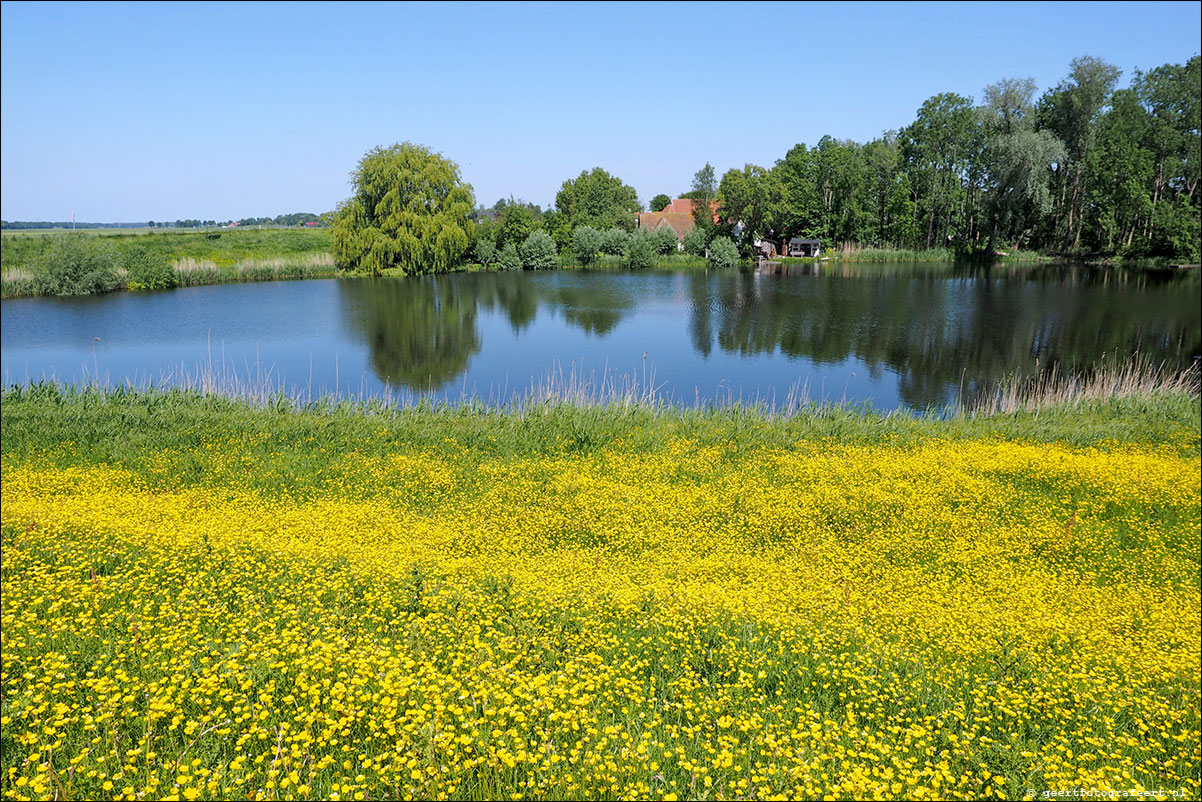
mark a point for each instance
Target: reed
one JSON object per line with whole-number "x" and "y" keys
{"x": 1138, "y": 377}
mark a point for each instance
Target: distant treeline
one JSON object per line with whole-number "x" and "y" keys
{"x": 294, "y": 219}
{"x": 23, "y": 225}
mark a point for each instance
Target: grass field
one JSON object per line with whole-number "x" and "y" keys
{"x": 195, "y": 257}
{"x": 204, "y": 598}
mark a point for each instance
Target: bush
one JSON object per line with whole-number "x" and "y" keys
{"x": 538, "y": 251}
{"x": 586, "y": 243}
{"x": 640, "y": 250}
{"x": 695, "y": 242}
{"x": 77, "y": 265}
{"x": 723, "y": 252}
{"x": 664, "y": 240}
{"x": 486, "y": 251}
{"x": 509, "y": 259}
{"x": 146, "y": 270}
{"x": 614, "y": 241}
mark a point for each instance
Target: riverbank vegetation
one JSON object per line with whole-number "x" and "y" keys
{"x": 1084, "y": 170}
{"x": 205, "y": 597}
{"x": 73, "y": 264}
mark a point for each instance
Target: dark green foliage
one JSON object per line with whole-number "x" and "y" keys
{"x": 538, "y": 252}
{"x": 659, "y": 203}
{"x": 76, "y": 265}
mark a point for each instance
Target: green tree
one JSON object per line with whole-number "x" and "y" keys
{"x": 517, "y": 222}
{"x": 509, "y": 258}
{"x": 614, "y": 241}
{"x": 798, "y": 212}
{"x": 586, "y": 243}
{"x": 640, "y": 251}
{"x": 695, "y": 241}
{"x": 659, "y": 203}
{"x": 749, "y": 197}
{"x": 486, "y": 251}
{"x": 538, "y": 251}
{"x": 76, "y": 264}
{"x": 935, "y": 150}
{"x": 409, "y": 211}
{"x": 1071, "y": 111}
{"x": 664, "y": 240}
{"x": 596, "y": 198}
{"x": 723, "y": 252}
{"x": 1019, "y": 157}
{"x": 703, "y": 193}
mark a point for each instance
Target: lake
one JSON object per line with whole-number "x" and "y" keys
{"x": 909, "y": 337}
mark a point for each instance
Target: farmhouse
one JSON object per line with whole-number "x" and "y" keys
{"x": 677, "y": 215}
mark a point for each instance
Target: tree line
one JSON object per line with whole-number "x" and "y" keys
{"x": 1082, "y": 169}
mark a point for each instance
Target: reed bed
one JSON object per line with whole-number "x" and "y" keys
{"x": 191, "y": 272}
{"x": 1135, "y": 378}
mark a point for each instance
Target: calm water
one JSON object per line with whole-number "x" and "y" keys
{"x": 893, "y": 336}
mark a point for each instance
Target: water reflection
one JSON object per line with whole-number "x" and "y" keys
{"x": 939, "y": 330}
{"x": 420, "y": 332}
{"x": 912, "y": 336}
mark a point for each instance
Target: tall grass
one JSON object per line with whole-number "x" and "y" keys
{"x": 191, "y": 272}
{"x": 1137, "y": 378}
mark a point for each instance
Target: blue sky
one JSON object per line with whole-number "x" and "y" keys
{"x": 130, "y": 112}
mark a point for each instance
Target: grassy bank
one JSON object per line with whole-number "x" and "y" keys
{"x": 208, "y": 598}
{"x": 31, "y": 259}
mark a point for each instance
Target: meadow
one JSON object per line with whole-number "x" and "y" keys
{"x": 208, "y": 598}
{"x": 176, "y": 258}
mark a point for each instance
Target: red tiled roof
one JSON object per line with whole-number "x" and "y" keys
{"x": 679, "y": 222}
{"x": 685, "y": 206}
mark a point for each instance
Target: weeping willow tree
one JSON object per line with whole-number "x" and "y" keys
{"x": 409, "y": 211}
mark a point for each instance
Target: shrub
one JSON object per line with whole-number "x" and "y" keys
{"x": 614, "y": 242}
{"x": 509, "y": 259}
{"x": 723, "y": 252}
{"x": 538, "y": 251}
{"x": 486, "y": 251}
{"x": 147, "y": 270}
{"x": 586, "y": 243}
{"x": 77, "y": 265}
{"x": 695, "y": 241}
{"x": 640, "y": 251}
{"x": 665, "y": 241}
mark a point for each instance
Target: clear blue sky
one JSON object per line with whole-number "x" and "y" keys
{"x": 130, "y": 112}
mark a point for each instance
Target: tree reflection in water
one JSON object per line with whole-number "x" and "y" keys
{"x": 941, "y": 330}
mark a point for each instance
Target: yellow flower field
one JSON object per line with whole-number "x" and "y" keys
{"x": 941, "y": 619}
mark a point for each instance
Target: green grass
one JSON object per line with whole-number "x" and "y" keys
{"x": 197, "y": 257}
{"x": 121, "y": 426}
{"x": 675, "y": 666}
